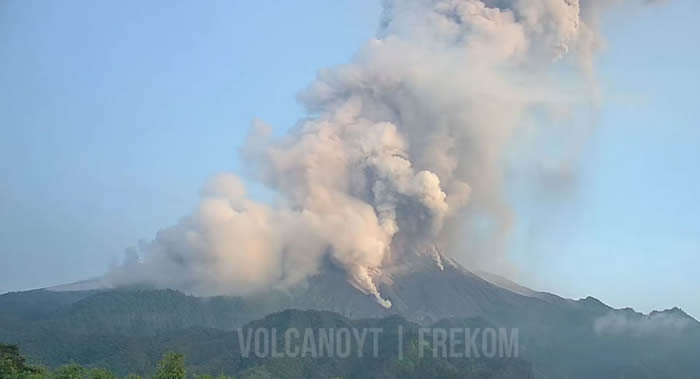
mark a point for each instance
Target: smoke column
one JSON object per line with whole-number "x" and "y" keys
{"x": 403, "y": 151}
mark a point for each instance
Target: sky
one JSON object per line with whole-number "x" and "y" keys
{"x": 113, "y": 115}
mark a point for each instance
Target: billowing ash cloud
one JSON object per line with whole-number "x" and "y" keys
{"x": 404, "y": 150}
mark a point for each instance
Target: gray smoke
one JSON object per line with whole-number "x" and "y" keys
{"x": 403, "y": 152}
{"x": 622, "y": 323}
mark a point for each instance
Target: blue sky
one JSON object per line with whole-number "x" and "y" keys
{"x": 113, "y": 114}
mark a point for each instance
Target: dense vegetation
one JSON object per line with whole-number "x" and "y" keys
{"x": 13, "y": 366}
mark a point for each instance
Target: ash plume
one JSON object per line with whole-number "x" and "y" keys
{"x": 403, "y": 151}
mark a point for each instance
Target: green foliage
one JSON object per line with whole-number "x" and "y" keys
{"x": 172, "y": 366}
{"x": 13, "y": 365}
{"x": 100, "y": 373}
{"x": 72, "y": 371}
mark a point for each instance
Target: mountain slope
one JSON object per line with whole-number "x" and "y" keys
{"x": 563, "y": 338}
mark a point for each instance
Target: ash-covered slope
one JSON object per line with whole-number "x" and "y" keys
{"x": 423, "y": 289}
{"x": 426, "y": 288}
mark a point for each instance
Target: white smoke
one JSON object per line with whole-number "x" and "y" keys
{"x": 402, "y": 146}
{"x": 625, "y": 323}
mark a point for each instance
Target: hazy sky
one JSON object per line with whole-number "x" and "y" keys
{"x": 113, "y": 114}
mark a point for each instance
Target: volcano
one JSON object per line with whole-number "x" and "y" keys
{"x": 563, "y": 338}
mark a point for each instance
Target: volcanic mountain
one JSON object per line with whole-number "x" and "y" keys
{"x": 563, "y": 338}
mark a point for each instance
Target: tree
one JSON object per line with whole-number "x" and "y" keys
{"x": 72, "y": 371}
{"x": 12, "y": 364}
{"x": 172, "y": 366}
{"x": 100, "y": 373}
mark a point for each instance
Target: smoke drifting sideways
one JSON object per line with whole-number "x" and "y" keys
{"x": 403, "y": 152}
